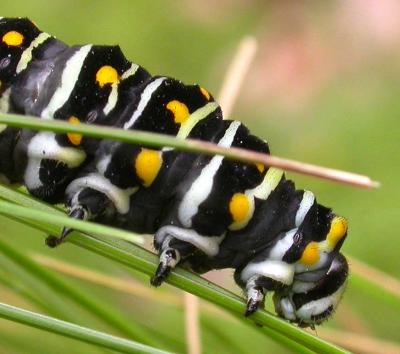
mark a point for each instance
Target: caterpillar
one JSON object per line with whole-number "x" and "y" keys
{"x": 205, "y": 212}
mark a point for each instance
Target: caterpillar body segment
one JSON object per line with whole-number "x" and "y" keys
{"x": 205, "y": 212}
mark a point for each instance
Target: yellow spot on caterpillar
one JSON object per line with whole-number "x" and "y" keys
{"x": 239, "y": 207}
{"x": 13, "y": 38}
{"x": 74, "y": 138}
{"x": 147, "y": 165}
{"x": 260, "y": 167}
{"x": 310, "y": 254}
{"x": 179, "y": 110}
{"x": 205, "y": 93}
{"x": 337, "y": 230}
{"x": 107, "y": 75}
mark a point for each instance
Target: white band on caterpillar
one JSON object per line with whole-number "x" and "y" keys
{"x": 26, "y": 56}
{"x": 276, "y": 270}
{"x": 69, "y": 78}
{"x": 209, "y": 245}
{"x": 305, "y": 205}
{"x": 202, "y": 186}
{"x": 120, "y": 197}
{"x": 144, "y": 100}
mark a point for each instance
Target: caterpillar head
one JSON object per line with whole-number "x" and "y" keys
{"x": 320, "y": 274}
{"x": 314, "y": 295}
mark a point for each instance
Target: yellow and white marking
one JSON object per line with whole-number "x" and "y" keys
{"x": 280, "y": 248}
{"x": 304, "y": 207}
{"x": 262, "y": 191}
{"x": 147, "y": 165}
{"x": 311, "y": 254}
{"x": 205, "y": 93}
{"x": 112, "y": 99}
{"x": 269, "y": 183}
{"x": 69, "y": 78}
{"x": 113, "y": 96}
{"x": 202, "y": 186}
{"x": 260, "y": 167}
{"x": 107, "y": 75}
{"x": 144, "y": 100}
{"x": 337, "y": 231}
{"x": 239, "y": 207}
{"x": 130, "y": 72}
{"x": 198, "y": 115}
{"x": 74, "y": 138}
{"x": 179, "y": 111}
{"x": 26, "y": 56}
{"x": 13, "y": 39}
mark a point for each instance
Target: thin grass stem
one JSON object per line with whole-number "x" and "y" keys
{"x": 195, "y": 146}
{"x": 74, "y": 331}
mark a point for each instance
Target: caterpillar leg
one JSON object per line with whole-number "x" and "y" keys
{"x": 87, "y": 204}
{"x": 261, "y": 276}
{"x": 255, "y": 289}
{"x": 177, "y": 243}
{"x": 171, "y": 253}
{"x": 255, "y": 295}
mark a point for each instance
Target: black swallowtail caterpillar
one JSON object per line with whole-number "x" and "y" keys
{"x": 205, "y": 212}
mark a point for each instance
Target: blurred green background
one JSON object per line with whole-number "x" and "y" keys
{"x": 322, "y": 89}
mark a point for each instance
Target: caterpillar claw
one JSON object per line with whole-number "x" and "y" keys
{"x": 169, "y": 258}
{"x": 251, "y": 307}
{"x": 161, "y": 274}
{"x": 53, "y": 241}
{"x": 255, "y": 300}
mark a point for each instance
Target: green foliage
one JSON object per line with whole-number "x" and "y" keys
{"x": 351, "y": 123}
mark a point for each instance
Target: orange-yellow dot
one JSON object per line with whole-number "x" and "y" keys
{"x": 260, "y": 167}
{"x": 107, "y": 75}
{"x": 310, "y": 254}
{"x": 147, "y": 165}
{"x": 74, "y": 138}
{"x": 13, "y": 38}
{"x": 179, "y": 110}
{"x": 205, "y": 93}
{"x": 239, "y": 207}
{"x": 337, "y": 230}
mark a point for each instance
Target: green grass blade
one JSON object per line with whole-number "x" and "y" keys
{"x": 195, "y": 146}
{"x": 74, "y": 331}
{"x": 142, "y": 260}
{"x": 33, "y": 290}
{"x": 95, "y": 306}
{"x": 129, "y": 136}
{"x": 63, "y": 220}
{"x": 371, "y": 288}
